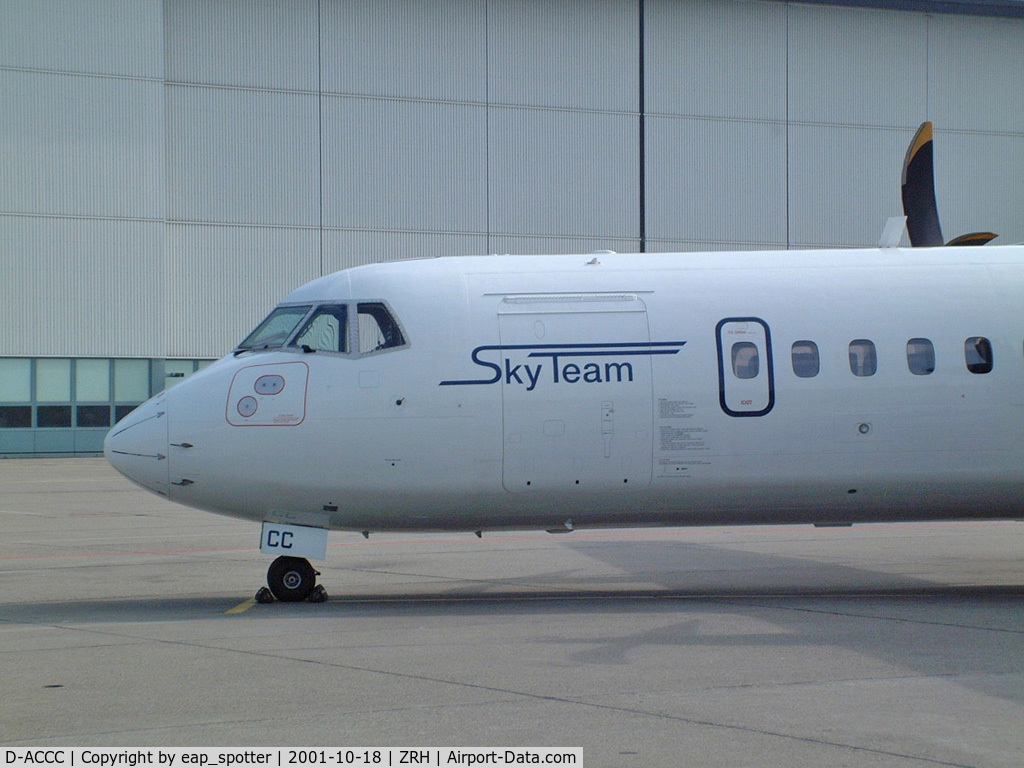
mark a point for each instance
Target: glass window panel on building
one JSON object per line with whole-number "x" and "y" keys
{"x": 131, "y": 381}
{"x": 15, "y": 380}
{"x": 53, "y": 380}
{"x": 92, "y": 381}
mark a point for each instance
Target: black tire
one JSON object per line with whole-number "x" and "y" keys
{"x": 291, "y": 579}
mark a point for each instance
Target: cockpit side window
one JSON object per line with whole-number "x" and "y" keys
{"x": 378, "y": 328}
{"x": 326, "y": 330}
{"x": 275, "y": 330}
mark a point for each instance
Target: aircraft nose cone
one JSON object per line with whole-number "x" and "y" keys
{"x": 137, "y": 445}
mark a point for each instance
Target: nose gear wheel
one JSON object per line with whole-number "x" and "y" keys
{"x": 291, "y": 579}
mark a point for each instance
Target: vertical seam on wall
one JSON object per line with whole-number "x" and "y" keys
{"x": 927, "y": 65}
{"x": 641, "y": 107}
{"x": 785, "y": 151}
{"x": 165, "y": 304}
{"x": 320, "y": 123}
{"x": 487, "y": 127}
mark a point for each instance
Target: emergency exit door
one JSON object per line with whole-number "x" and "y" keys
{"x": 746, "y": 379}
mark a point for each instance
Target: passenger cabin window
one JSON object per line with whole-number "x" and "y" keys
{"x": 276, "y": 329}
{"x": 863, "y": 360}
{"x": 326, "y": 330}
{"x": 920, "y": 357}
{"x": 806, "y": 362}
{"x": 745, "y": 361}
{"x": 978, "y": 354}
{"x": 378, "y": 328}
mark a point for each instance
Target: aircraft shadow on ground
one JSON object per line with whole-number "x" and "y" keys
{"x": 778, "y": 604}
{"x": 642, "y": 573}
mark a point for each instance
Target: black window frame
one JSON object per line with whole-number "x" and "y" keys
{"x": 981, "y": 346}
{"x": 870, "y": 363}
{"x": 915, "y": 357}
{"x": 800, "y": 369}
{"x": 16, "y": 416}
{"x": 57, "y": 416}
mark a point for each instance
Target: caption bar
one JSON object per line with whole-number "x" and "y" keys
{"x": 82, "y": 757}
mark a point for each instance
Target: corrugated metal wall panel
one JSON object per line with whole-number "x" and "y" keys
{"x": 227, "y": 279}
{"x": 421, "y": 50}
{"x": 398, "y": 164}
{"x": 351, "y": 248}
{"x": 852, "y": 66}
{"x": 428, "y": 147}
{"x": 716, "y": 59}
{"x": 844, "y": 183}
{"x": 979, "y": 184}
{"x": 721, "y": 181}
{"x": 86, "y": 146}
{"x": 688, "y": 246}
{"x": 563, "y": 173}
{"x": 976, "y": 74}
{"x": 117, "y": 37}
{"x": 563, "y": 53}
{"x": 256, "y": 44}
{"x": 548, "y": 245}
{"x": 82, "y": 163}
{"x": 80, "y": 286}
{"x": 242, "y": 156}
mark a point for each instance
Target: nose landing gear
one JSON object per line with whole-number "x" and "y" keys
{"x": 291, "y": 579}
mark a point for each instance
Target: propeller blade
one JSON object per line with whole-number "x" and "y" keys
{"x": 973, "y": 238}
{"x": 918, "y": 189}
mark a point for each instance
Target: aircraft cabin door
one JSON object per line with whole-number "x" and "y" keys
{"x": 576, "y": 392}
{"x": 746, "y": 379}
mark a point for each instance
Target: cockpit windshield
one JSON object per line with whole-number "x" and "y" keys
{"x": 327, "y": 327}
{"x": 276, "y": 329}
{"x": 326, "y": 330}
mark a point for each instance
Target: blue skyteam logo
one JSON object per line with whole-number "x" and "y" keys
{"x": 564, "y": 363}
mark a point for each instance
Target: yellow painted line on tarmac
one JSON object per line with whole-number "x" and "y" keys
{"x": 242, "y": 607}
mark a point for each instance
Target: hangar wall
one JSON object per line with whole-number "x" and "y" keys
{"x": 171, "y": 168}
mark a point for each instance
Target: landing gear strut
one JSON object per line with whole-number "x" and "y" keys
{"x": 292, "y": 579}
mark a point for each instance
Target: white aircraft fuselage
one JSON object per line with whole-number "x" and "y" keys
{"x": 553, "y": 392}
